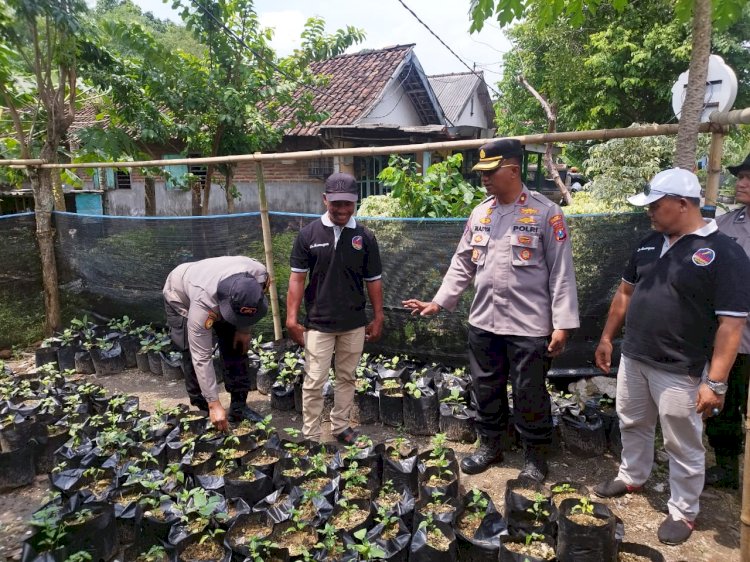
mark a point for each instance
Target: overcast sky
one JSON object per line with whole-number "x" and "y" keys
{"x": 386, "y": 23}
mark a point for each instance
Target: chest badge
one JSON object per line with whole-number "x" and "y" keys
{"x": 485, "y": 220}
{"x": 704, "y": 257}
{"x": 478, "y": 238}
{"x": 525, "y": 254}
{"x": 529, "y": 211}
{"x": 212, "y": 317}
{"x": 357, "y": 242}
{"x": 526, "y": 220}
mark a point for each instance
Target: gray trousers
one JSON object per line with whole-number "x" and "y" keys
{"x": 645, "y": 394}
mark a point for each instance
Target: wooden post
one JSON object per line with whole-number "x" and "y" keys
{"x": 149, "y": 194}
{"x": 268, "y": 247}
{"x": 714, "y": 173}
{"x": 745, "y": 513}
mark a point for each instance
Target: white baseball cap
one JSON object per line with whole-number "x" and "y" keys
{"x": 675, "y": 181}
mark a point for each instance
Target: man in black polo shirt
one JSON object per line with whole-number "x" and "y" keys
{"x": 684, "y": 290}
{"x": 338, "y": 257}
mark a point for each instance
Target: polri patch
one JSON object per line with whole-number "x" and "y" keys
{"x": 212, "y": 317}
{"x": 704, "y": 257}
{"x": 357, "y": 242}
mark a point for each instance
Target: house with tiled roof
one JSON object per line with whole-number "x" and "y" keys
{"x": 370, "y": 98}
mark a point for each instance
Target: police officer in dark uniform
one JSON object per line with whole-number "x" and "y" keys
{"x": 516, "y": 248}
{"x": 725, "y": 431}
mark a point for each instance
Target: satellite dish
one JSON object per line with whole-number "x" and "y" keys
{"x": 721, "y": 89}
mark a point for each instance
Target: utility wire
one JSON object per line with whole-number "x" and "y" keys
{"x": 427, "y": 27}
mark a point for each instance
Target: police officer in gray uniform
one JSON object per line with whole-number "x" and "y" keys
{"x": 725, "y": 431}
{"x": 224, "y": 296}
{"x": 516, "y": 248}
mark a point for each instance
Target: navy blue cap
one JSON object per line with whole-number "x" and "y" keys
{"x": 241, "y": 300}
{"x": 341, "y": 187}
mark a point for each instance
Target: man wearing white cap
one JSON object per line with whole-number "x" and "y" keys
{"x": 684, "y": 299}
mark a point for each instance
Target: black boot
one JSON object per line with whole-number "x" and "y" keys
{"x": 535, "y": 463}
{"x": 239, "y": 410}
{"x": 726, "y": 473}
{"x": 488, "y": 453}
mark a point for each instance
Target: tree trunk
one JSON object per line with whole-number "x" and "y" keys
{"x": 549, "y": 162}
{"x": 229, "y": 189}
{"x": 207, "y": 188}
{"x": 692, "y": 108}
{"x": 57, "y": 191}
{"x": 149, "y": 194}
{"x": 41, "y": 184}
{"x": 195, "y": 197}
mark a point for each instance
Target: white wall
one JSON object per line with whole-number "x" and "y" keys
{"x": 476, "y": 120}
{"x": 282, "y": 196}
{"x": 395, "y": 108}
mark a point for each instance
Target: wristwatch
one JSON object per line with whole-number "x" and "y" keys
{"x": 719, "y": 388}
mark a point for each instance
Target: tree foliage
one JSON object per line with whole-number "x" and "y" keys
{"x": 225, "y": 102}
{"x": 615, "y": 69}
{"x": 622, "y": 167}
{"x": 441, "y": 192}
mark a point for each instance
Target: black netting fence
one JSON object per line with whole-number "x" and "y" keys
{"x": 21, "y": 305}
{"x": 110, "y": 266}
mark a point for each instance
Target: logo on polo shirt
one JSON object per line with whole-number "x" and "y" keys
{"x": 704, "y": 257}
{"x": 357, "y": 242}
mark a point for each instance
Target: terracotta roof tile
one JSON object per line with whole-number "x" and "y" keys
{"x": 356, "y": 82}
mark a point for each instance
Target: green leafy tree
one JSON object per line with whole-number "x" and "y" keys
{"x": 226, "y": 102}
{"x": 619, "y": 44}
{"x": 40, "y": 45}
{"x": 441, "y": 192}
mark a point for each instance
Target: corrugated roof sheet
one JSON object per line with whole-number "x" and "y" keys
{"x": 453, "y": 91}
{"x": 356, "y": 82}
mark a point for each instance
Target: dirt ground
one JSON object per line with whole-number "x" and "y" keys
{"x": 716, "y": 537}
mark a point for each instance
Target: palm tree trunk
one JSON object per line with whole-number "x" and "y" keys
{"x": 687, "y": 133}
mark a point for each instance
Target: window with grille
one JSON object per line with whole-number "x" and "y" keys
{"x": 122, "y": 180}
{"x": 320, "y": 168}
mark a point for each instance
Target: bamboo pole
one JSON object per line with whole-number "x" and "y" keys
{"x": 542, "y": 138}
{"x": 268, "y": 247}
{"x": 745, "y": 513}
{"x": 715, "y": 153}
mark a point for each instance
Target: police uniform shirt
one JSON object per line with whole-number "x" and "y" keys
{"x": 521, "y": 260}
{"x": 679, "y": 291}
{"x": 736, "y": 225}
{"x": 191, "y": 290}
{"x": 338, "y": 260}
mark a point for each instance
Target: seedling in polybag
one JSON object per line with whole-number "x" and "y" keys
{"x": 364, "y": 548}
{"x": 584, "y": 507}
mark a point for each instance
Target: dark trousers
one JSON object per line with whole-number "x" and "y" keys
{"x": 725, "y": 432}
{"x": 493, "y": 361}
{"x": 236, "y": 378}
